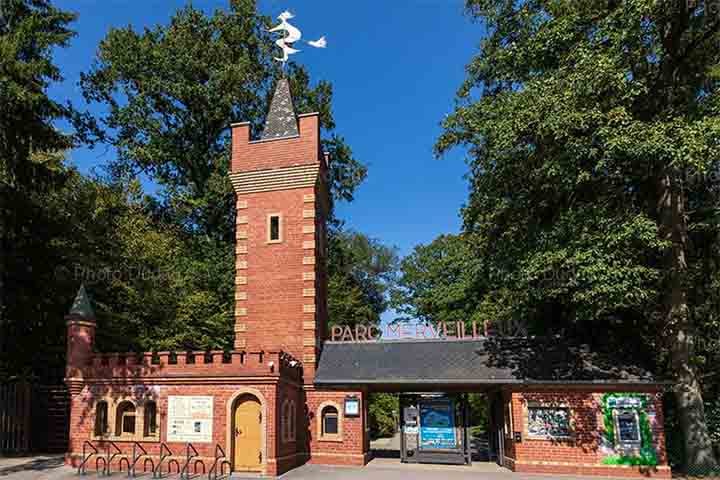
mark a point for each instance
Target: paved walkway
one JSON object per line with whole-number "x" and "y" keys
{"x": 52, "y": 468}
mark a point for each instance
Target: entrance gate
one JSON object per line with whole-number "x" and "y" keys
{"x": 434, "y": 428}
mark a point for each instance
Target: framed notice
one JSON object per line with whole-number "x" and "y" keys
{"x": 352, "y": 406}
{"x": 190, "y": 419}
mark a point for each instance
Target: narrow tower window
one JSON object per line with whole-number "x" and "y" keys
{"x": 101, "y": 418}
{"x": 274, "y": 228}
{"x": 150, "y": 425}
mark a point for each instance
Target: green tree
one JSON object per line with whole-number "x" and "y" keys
{"x": 592, "y": 130}
{"x": 29, "y": 32}
{"x": 442, "y": 282}
{"x": 361, "y": 276}
{"x": 383, "y": 414}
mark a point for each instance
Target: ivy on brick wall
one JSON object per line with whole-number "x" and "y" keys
{"x": 646, "y": 455}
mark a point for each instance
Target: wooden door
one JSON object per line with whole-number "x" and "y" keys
{"x": 247, "y": 434}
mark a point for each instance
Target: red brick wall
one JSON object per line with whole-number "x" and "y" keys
{"x": 281, "y": 287}
{"x": 274, "y": 273}
{"x": 354, "y": 448}
{"x": 580, "y": 454}
{"x": 82, "y": 419}
{"x": 275, "y": 153}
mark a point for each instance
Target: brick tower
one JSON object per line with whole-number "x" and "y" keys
{"x": 282, "y": 206}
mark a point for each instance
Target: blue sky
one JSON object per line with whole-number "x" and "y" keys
{"x": 395, "y": 67}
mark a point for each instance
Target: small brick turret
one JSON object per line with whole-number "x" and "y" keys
{"x": 282, "y": 205}
{"x": 81, "y": 327}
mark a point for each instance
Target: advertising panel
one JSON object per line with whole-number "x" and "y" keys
{"x": 437, "y": 425}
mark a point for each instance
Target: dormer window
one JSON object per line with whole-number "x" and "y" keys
{"x": 274, "y": 228}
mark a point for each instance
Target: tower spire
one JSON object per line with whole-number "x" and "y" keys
{"x": 81, "y": 306}
{"x": 281, "y": 121}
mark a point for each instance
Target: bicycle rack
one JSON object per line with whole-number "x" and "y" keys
{"x": 195, "y": 467}
{"x": 109, "y": 458}
{"x": 120, "y": 465}
{"x": 219, "y": 457}
{"x": 185, "y": 472}
{"x": 97, "y": 465}
{"x": 164, "y": 453}
{"x": 81, "y": 467}
{"x": 152, "y": 465}
{"x": 177, "y": 464}
{"x": 136, "y": 457}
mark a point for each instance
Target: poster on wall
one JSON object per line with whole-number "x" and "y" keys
{"x": 437, "y": 425}
{"x": 190, "y": 419}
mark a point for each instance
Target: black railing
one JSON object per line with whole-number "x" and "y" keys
{"x": 220, "y": 461}
{"x": 185, "y": 472}
{"x": 81, "y": 467}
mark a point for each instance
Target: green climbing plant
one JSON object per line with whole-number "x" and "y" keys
{"x": 646, "y": 455}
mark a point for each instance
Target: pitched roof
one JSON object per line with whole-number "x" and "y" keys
{"x": 281, "y": 120}
{"x": 81, "y": 306}
{"x": 471, "y": 362}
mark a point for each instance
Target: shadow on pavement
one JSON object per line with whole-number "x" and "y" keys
{"x": 45, "y": 463}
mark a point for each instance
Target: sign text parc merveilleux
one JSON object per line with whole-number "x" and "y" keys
{"x": 406, "y": 331}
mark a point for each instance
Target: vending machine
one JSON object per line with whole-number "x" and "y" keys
{"x": 434, "y": 428}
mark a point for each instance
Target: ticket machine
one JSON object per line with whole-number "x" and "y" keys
{"x": 434, "y": 428}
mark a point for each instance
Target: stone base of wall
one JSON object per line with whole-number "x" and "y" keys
{"x": 340, "y": 459}
{"x": 556, "y": 468}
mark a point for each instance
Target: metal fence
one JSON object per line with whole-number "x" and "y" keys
{"x": 33, "y": 418}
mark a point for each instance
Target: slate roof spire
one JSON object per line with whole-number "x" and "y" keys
{"x": 281, "y": 120}
{"x": 81, "y": 306}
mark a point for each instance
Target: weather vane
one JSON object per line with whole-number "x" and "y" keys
{"x": 292, "y": 35}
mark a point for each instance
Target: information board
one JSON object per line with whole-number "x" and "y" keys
{"x": 437, "y": 425}
{"x": 190, "y": 419}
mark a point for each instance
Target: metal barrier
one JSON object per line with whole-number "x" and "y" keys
{"x": 81, "y": 468}
{"x": 221, "y": 458}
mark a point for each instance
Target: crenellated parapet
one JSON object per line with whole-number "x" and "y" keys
{"x": 203, "y": 365}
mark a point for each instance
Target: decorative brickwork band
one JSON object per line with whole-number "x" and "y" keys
{"x": 276, "y": 179}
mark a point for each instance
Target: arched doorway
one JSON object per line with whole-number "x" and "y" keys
{"x": 247, "y": 434}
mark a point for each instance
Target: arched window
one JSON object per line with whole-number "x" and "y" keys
{"x": 150, "y": 424}
{"x": 125, "y": 419}
{"x": 101, "y": 418}
{"x": 330, "y": 423}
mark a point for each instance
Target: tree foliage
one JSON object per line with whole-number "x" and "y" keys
{"x": 29, "y": 164}
{"x": 171, "y": 94}
{"x": 592, "y": 130}
{"x": 362, "y": 274}
{"x": 159, "y": 267}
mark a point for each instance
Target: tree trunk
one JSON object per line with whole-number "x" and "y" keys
{"x": 699, "y": 453}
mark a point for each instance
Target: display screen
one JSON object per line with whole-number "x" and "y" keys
{"x": 437, "y": 425}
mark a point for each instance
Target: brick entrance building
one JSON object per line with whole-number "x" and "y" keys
{"x": 285, "y": 396}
